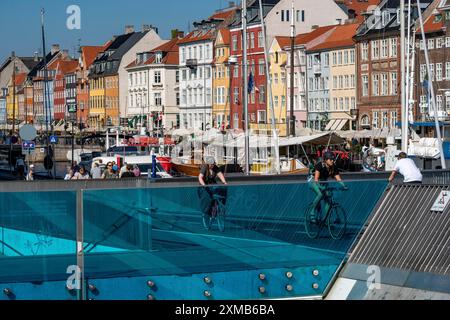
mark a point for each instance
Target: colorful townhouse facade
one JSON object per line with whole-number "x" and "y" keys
{"x": 153, "y": 82}
{"x": 87, "y": 57}
{"x": 341, "y": 49}
{"x": 222, "y": 80}
{"x": 3, "y": 96}
{"x": 15, "y": 86}
{"x": 437, "y": 33}
{"x": 378, "y": 67}
{"x": 108, "y": 94}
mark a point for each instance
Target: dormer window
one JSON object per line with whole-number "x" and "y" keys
{"x": 158, "y": 57}
{"x": 437, "y": 18}
{"x": 386, "y": 17}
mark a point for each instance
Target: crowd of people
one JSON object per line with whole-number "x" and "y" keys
{"x": 109, "y": 172}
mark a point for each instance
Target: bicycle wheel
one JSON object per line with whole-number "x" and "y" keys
{"x": 221, "y": 217}
{"x": 312, "y": 226}
{"x": 209, "y": 219}
{"x": 337, "y": 222}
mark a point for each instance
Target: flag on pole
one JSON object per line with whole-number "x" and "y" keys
{"x": 251, "y": 83}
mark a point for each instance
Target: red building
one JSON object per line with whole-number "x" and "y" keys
{"x": 256, "y": 66}
{"x": 62, "y": 68}
{"x": 87, "y": 57}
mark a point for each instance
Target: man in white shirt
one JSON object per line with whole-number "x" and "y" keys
{"x": 408, "y": 169}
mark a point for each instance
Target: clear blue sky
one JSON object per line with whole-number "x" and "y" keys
{"x": 100, "y": 20}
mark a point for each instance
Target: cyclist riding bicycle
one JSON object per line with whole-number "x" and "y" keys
{"x": 209, "y": 173}
{"x": 323, "y": 171}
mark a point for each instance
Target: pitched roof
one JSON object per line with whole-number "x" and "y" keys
{"x": 283, "y": 41}
{"x": 342, "y": 36}
{"x": 223, "y": 15}
{"x": 226, "y": 35}
{"x": 304, "y": 38}
{"x": 360, "y": 6}
{"x": 198, "y": 35}
{"x": 89, "y": 54}
{"x": 64, "y": 67}
{"x": 433, "y": 24}
{"x": 20, "y": 78}
{"x": 170, "y": 54}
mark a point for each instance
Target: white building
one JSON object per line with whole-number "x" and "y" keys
{"x": 196, "y": 59}
{"x": 153, "y": 82}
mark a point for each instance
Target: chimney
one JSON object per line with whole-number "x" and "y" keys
{"x": 339, "y": 21}
{"x": 180, "y": 34}
{"x": 146, "y": 27}
{"x": 231, "y": 4}
{"x": 55, "y": 48}
{"x": 36, "y": 56}
{"x": 65, "y": 54}
{"x": 129, "y": 29}
{"x": 13, "y": 54}
{"x": 314, "y": 27}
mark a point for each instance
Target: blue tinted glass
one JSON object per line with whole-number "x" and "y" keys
{"x": 166, "y": 235}
{"x": 37, "y": 244}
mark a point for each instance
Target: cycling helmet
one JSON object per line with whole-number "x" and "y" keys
{"x": 210, "y": 160}
{"x": 328, "y": 156}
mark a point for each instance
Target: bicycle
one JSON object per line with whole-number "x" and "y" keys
{"x": 217, "y": 210}
{"x": 335, "y": 218}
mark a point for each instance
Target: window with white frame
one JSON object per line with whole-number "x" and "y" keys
{"x": 447, "y": 42}
{"x": 335, "y": 103}
{"x": 375, "y": 84}
{"x": 375, "y": 119}
{"x": 236, "y": 72}
{"x": 393, "y": 120}
{"x": 157, "y": 77}
{"x": 346, "y": 81}
{"x": 261, "y": 116}
{"x": 423, "y": 72}
{"x": 423, "y": 104}
{"x": 385, "y": 119}
{"x": 352, "y": 81}
{"x": 393, "y": 84}
{"x": 334, "y": 58}
{"x": 364, "y": 51}
{"x": 430, "y": 44}
{"x": 439, "y": 103}
{"x": 365, "y": 85}
{"x": 158, "y": 99}
{"x": 341, "y": 103}
{"x": 335, "y": 82}
{"x": 252, "y": 40}
{"x": 422, "y": 45}
{"x": 384, "y": 84}
{"x": 432, "y": 71}
{"x": 260, "y": 39}
{"x": 447, "y": 71}
{"x": 326, "y": 59}
{"x": 262, "y": 67}
{"x": 375, "y": 49}
{"x": 345, "y": 57}
{"x": 447, "y": 103}
{"x": 235, "y": 43}
{"x": 384, "y": 48}
{"x": 439, "y": 43}
{"x": 352, "y": 56}
{"x": 438, "y": 71}
{"x": 394, "y": 48}
{"x": 339, "y": 58}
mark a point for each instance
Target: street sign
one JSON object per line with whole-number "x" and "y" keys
{"x": 72, "y": 108}
{"x": 441, "y": 202}
{"x": 28, "y": 147}
{"x": 54, "y": 139}
{"x": 28, "y": 132}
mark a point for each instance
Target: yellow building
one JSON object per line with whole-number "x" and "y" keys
{"x": 97, "y": 103}
{"x": 221, "y": 80}
{"x": 342, "y": 77}
{"x": 278, "y": 60}
{"x": 11, "y": 105}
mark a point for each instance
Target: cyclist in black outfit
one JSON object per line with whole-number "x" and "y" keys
{"x": 207, "y": 177}
{"x": 323, "y": 171}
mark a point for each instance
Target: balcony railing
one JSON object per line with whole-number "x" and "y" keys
{"x": 191, "y": 63}
{"x": 317, "y": 69}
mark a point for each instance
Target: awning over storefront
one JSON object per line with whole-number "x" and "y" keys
{"x": 336, "y": 124}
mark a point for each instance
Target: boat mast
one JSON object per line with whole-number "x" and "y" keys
{"x": 408, "y": 87}
{"x": 403, "y": 76}
{"x": 245, "y": 92}
{"x": 431, "y": 89}
{"x": 269, "y": 85}
{"x": 291, "y": 130}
